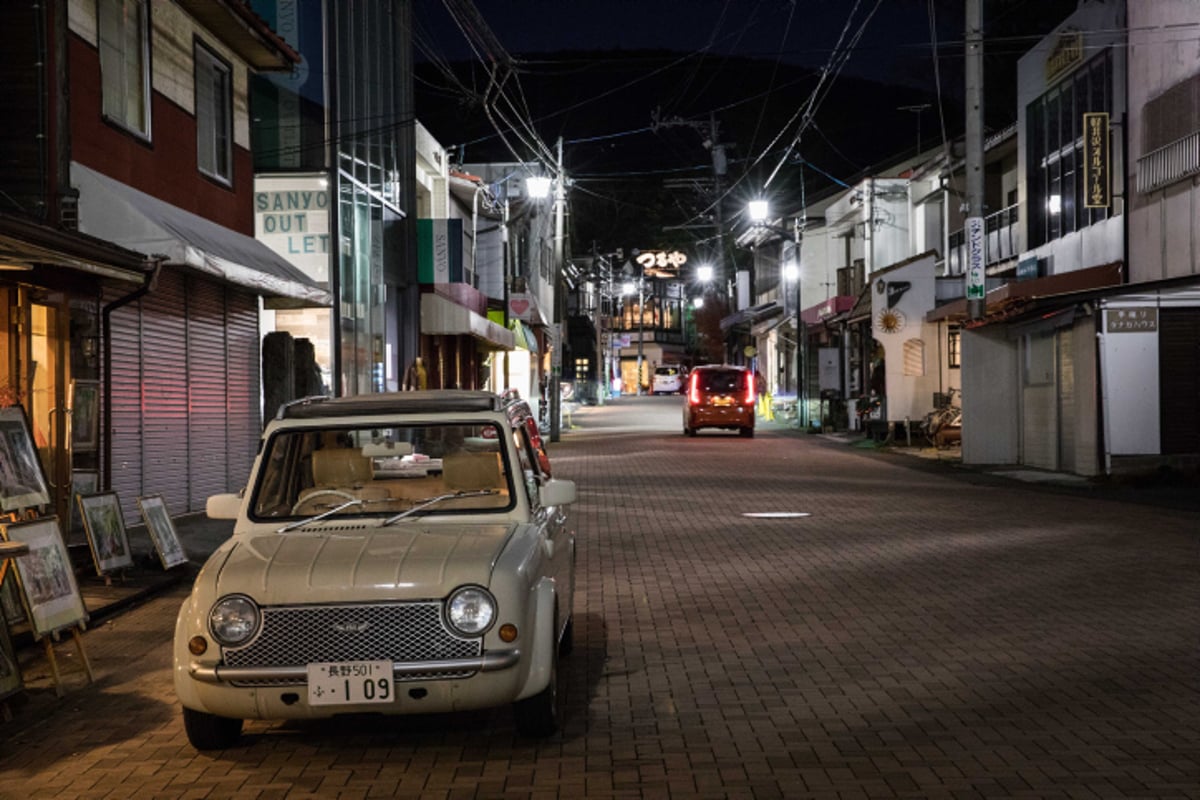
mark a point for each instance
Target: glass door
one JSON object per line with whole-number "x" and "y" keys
{"x": 44, "y": 377}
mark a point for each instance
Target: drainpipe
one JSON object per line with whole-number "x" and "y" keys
{"x": 106, "y": 333}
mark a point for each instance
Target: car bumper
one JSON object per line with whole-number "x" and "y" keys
{"x": 721, "y": 417}
{"x": 282, "y": 692}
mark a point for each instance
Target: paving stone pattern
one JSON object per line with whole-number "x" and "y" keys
{"x": 922, "y": 634}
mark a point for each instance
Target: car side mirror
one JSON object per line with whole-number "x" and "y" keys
{"x": 223, "y": 506}
{"x": 557, "y": 492}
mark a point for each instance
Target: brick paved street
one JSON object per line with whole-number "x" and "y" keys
{"x": 925, "y": 632}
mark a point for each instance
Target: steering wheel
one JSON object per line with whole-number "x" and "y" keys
{"x": 319, "y": 492}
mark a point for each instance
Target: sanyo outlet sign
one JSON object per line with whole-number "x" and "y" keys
{"x": 291, "y": 216}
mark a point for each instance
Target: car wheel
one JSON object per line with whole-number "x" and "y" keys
{"x": 747, "y": 432}
{"x": 689, "y": 431}
{"x": 209, "y": 732}
{"x": 537, "y": 716}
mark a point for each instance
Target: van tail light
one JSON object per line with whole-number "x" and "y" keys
{"x": 694, "y": 389}
{"x": 749, "y": 389}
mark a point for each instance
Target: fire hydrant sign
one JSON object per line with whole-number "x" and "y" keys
{"x": 975, "y": 258}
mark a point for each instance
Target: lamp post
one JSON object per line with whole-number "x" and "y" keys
{"x": 759, "y": 212}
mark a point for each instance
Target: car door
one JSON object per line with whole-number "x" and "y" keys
{"x": 560, "y": 537}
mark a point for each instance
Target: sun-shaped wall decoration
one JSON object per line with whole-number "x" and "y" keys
{"x": 890, "y": 320}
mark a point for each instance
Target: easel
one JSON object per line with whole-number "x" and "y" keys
{"x": 50, "y": 637}
{"x": 9, "y": 551}
{"x": 83, "y": 657}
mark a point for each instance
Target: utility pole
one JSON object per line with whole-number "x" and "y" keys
{"x": 560, "y": 201}
{"x": 976, "y": 266}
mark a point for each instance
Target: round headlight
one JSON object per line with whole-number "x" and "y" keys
{"x": 470, "y": 610}
{"x": 233, "y": 620}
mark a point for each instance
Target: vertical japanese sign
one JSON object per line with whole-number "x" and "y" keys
{"x": 1096, "y": 160}
{"x": 975, "y": 258}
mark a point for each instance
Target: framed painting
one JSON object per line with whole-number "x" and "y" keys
{"x": 162, "y": 531}
{"x": 22, "y": 482}
{"x": 47, "y": 580}
{"x": 105, "y": 529}
{"x": 83, "y": 482}
{"x": 85, "y": 415}
{"x": 10, "y": 671}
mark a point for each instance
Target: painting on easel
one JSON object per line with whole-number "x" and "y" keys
{"x": 22, "y": 482}
{"x": 47, "y": 581}
{"x": 105, "y": 531}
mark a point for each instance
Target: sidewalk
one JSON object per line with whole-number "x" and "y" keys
{"x": 106, "y": 597}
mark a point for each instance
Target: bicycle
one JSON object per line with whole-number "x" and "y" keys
{"x": 943, "y": 425}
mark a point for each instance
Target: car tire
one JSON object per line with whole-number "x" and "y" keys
{"x": 747, "y": 432}
{"x": 538, "y": 716}
{"x": 689, "y": 431}
{"x": 209, "y": 732}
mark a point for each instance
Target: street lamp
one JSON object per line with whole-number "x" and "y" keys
{"x": 759, "y": 212}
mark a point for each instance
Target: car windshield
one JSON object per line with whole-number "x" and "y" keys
{"x": 382, "y": 471}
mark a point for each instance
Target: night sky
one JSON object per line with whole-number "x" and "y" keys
{"x": 604, "y": 75}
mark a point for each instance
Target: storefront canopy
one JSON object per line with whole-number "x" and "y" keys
{"x": 110, "y": 210}
{"x": 748, "y": 316}
{"x": 442, "y": 317}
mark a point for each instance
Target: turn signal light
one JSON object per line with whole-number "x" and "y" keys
{"x": 508, "y": 633}
{"x": 197, "y": 645}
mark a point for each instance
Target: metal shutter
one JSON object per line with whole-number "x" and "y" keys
{"x": 165, "y": 452}
{"x": 242, "y": 347}
{"x": 125, "y": 392}
{"x": 206, "y": 381}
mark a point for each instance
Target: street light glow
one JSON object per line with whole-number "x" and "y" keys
{"x": 759, "y": 209}
{"x": 704, "y": 273}
{"x": 697, "y": 302}
{"x": 628, "y": 287}
{"x": 791, "y": 272}
{"x": 538, "y": 186}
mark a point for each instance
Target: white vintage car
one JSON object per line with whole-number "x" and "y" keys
{"x": 393, "y": 553}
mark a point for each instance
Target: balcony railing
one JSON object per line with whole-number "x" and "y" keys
{"x": 1168, "y": 164}
{"x": 999, "y": 241}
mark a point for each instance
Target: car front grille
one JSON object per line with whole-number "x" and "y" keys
{"x": 299, "y": 635}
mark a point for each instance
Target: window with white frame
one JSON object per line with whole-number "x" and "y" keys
{"x": 124, "y": 35}
{"x": 214, "y": 115}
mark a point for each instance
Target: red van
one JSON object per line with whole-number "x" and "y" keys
{"x": 720, "y": 396}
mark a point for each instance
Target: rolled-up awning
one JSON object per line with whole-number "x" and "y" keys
{"x": 110, "y": 210}
{"x": 442, "y": 317}
{"x": 525, "y": 336}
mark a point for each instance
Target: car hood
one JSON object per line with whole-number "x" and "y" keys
{"x": 350, "y": 564}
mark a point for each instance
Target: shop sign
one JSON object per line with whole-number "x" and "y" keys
{"x": 661, "y": 263}
{"x": 291, "y": 216}
{"x": 1067, "y": 52}
{"x": 1140, "y": 319}
{"x": 975, "y": 258}
{"x": 1096, "y": 160}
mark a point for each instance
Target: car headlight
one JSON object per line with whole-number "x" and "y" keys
{"x": 233, "y": 620}
{"x": 471, "y": 610}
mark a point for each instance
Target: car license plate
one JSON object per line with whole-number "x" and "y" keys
{"x": 346, "y": 682}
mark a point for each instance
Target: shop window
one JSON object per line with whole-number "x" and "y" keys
{"x": 214, "y": 117}
{"x": 124, "y": 34}
{"x": 953, "y": 345}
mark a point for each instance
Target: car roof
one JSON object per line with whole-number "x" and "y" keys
{"x": 432, "y": 401}
{"x": 719, "y": 367}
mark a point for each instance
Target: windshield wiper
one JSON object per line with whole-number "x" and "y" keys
{"x": 431, "y": 501}
{"x": 301, "y": 523}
